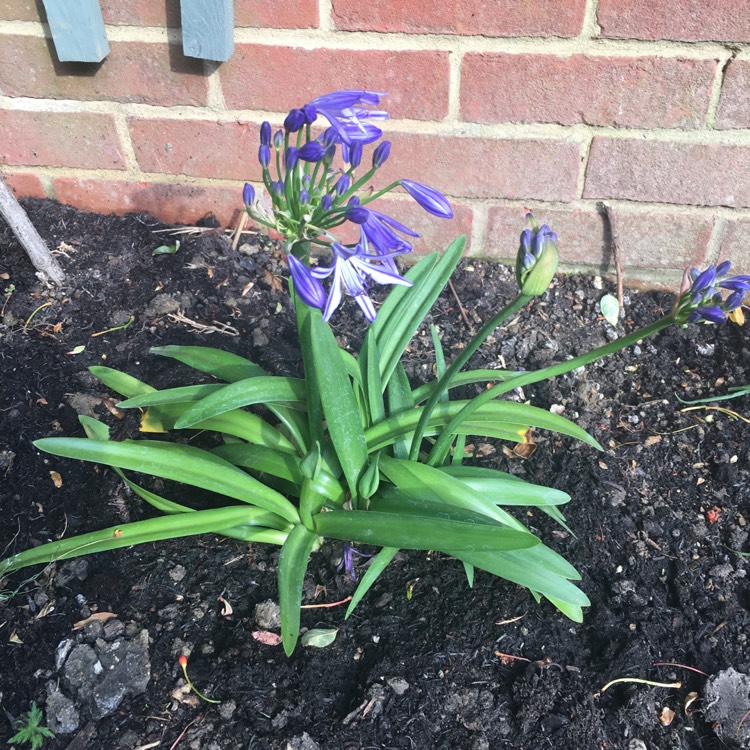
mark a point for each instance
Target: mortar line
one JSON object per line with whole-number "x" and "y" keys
{"x": 715, "y": 241}
{"x": 132, "y": 168}
{"x": 718, "y": 84}
{"x": 590, "y": 28}
{"x": 455, "y": 68}
{"x": 325, "y": 15}
{"x": 331, "y": 38}
{"x": 581, "y": 184}
{"x": 480, "y": 215}
{"x": 215, "y": 94}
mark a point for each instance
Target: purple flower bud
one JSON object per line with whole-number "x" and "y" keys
{"x": 343, "y": 184}
{"x": 734, "y": 300}
{"x": 294, "y": 121}
{"x": 706, "y": 279}
{"x": 311, "y": 114}
{"x": 713, "y": 314}
{"x": 307, "y": 286}
{"x": 357, "y": 214}
{"x": 265, "y": 133}
{"x": 312, "y": 151}
{"x": 306, "y": 180}
{"x": 355, "y": 154}
{"x": 291, "y": 157}
{"x": 278, "y": 139}
{"x": 248, "y": 194}
{"x": 328, "y": 137}
{"x": 723, "y": 268}
{"x": 381, "y": 154}
{"x": 326, "y": 202}
{"x": 526, "y": 237}
{"x": 429, "y": 199}
{"x": 277, "y": 186}
{"x": 304, "y": 196}
{"x": 264, "y": 155}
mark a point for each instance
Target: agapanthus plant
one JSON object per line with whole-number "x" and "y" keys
{"x": 353, "y": 452}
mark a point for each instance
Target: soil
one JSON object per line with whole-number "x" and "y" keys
{"x": 660, "y": 519}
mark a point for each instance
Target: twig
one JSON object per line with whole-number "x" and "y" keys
{"x": 326, "y": 606}
{"x": 27, "y": 235}
{"x": 615, "y": 252}
{"x": 238, "y": 231}
{"x": 461, "y": 308}
{"x": 182, "y": 733}
{"x": 683, "y": 666}
{"x": 641, "y": 682}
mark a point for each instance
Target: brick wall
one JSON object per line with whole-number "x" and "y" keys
{"x": 553, "y": 105}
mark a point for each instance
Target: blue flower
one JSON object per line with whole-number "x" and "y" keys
{"x": 265, "y": 133}
{"x": 700, "y": 299}
{"x": 378, "y": 231}
{"x": 307, "y": 286}
{"x": 347, "y": 112}
{"x": 429, "y": 199}
{"x": 312, "y": 151}
{"x": 536, "y": 261}
{"x": 264, "y": 155}
{"x": 294, "y": 120}
{"x": 248, "y": 194}
{"x": 353, "y": 272}
{"x": 381, "y": 154}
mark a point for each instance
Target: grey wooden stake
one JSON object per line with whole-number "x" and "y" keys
{"x": 26, "y": 234}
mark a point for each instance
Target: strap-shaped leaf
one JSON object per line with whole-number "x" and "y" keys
{"x": 439, "y": 357}
{"x": 523, "y": 568}
{"x": 120, "y": 382}
{"x": 399, "y": 400}
{"x": 215, "y": 362}
{"x": 142, "y": 532}
{"x": 339, "y": 405}
{"x": 423, "y": 392}
{"x": 405, "y": 308}
{"x": 187, "y": 394}
{"x": 293, "y": 562}
{"x": 377, "y": 565}
{"x": 305, "y": 317}
{"x": 370, "y": 369}
{"x": 181, "y": 463}
{"x": 260, "y": 390}
{"x": 418, "y": 532}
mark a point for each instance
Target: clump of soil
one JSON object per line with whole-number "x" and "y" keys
{"x": 659, "y": 520}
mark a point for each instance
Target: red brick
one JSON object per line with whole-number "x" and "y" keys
{"x": 133, "y": 72}
{"x": 416, "y": 81}
{"x": 60, "y": 139}
{"x": 656, "y": 171}
{"x": 486, "y": 168}
{"x": 199, "y": 148}
{"x": 681, "y": 20}
{"x": 734, "y": 105}
{"x": 648, "y": 92}
{"x": 141, "y": 12}
{"x": 170, "y": 203}
{"x": 277, "y": 14}
{"x": 19, "y": 10}
{"x": 25, "y": 185}
{"x": 501, "y": 18}
{"x": 656, "y": 239}
{"x": 735, "y": 246}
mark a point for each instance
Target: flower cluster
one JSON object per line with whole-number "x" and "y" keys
{"x": 318, "y": 184}
{"x": 701, "y": 299}
{"x": 536, "y": 261}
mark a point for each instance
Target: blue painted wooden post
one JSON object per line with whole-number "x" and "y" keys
{"x": 77, "y": 30}
{"x": 208, "y": 29}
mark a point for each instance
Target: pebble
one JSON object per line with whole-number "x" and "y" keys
{"x": 177, "y": 573}
{"x": 268, "y": 615}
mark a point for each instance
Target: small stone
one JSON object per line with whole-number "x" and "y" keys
{"x": 398, "y": 684}
{"x": 177, "y": 573}
{"x": 303, "y": 742}
{"x": 61, "y": 713}
{"x": 227, "y": 709}
{"x": 268, "y": 615}
{"x": 73, "y": 569}
{"x": 636, "y": 744}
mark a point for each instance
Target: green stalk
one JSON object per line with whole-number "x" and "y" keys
{"x": 457, "y": 365}
{"x": 385, "y": 190}
{"x": 443, "y": 442}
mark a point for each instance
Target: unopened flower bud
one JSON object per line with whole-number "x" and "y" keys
{"x": 248, "y": 194}
{"x": 278, "y": 139}
{"x": 380, "y": 154}
{"x": 265, "y": 133}
{"x": 294, "y": 121}
{"x": 536, "y": 262}
{"x": 291, "y": 157}
{"x": 312, "y": 151}
{"x": 264, "y": 155}
{"x": 311, "y": 114}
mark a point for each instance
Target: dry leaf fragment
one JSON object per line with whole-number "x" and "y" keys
{"x": 111, "y": 408}
{"x": 56, "y": 479}
{"x": 226, "y": 610}
{"x": 97, "y": 617}
{"x": 653, "y": 439}
{"x": 690, "y": 698}
{"x": 666, "y": 717}
{"x": 266, "y": 637}
{"x": 13, "y": 638}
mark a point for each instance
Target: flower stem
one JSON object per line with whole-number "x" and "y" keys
{"x": 443, "y": 442}
{"x": 458, "y": 364}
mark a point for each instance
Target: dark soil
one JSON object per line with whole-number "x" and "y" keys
{"x": 659, "y": 520}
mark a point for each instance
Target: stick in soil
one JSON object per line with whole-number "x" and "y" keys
{"x": 615, "y": 252}
{"x": 461, "y": 308}
{"x": 26, "y": 234}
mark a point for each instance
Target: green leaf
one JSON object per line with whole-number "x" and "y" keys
{"x": 142, "y": 532}
{"x": 183, "y": 395}
{"x": 418, "y": 532}
{"x": 293, "y": 562}
{"x": 319, "y": 637}
{"x": 469, "y": 570}
{"x": 120, "y": 382}
{"x": 370, "y": 370}
{"x": 181, "y": 463}
{"x": 405, "y": 308}
{"x": 439, "y": 357}
{"x": 376, "y": 566}
{"x": 399, "y": 400}
{"x": 305, "y": 317}
{"x": 423, "y": 392}
{"x": 167, "y": 249}
{"x": 260, "y": 390}
{"x": 215, "y": 362}
{"x": 339, "y": 405}
{"x": 610, "y": 308}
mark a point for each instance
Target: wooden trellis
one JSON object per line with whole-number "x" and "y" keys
{"x": 79, "y": 35}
